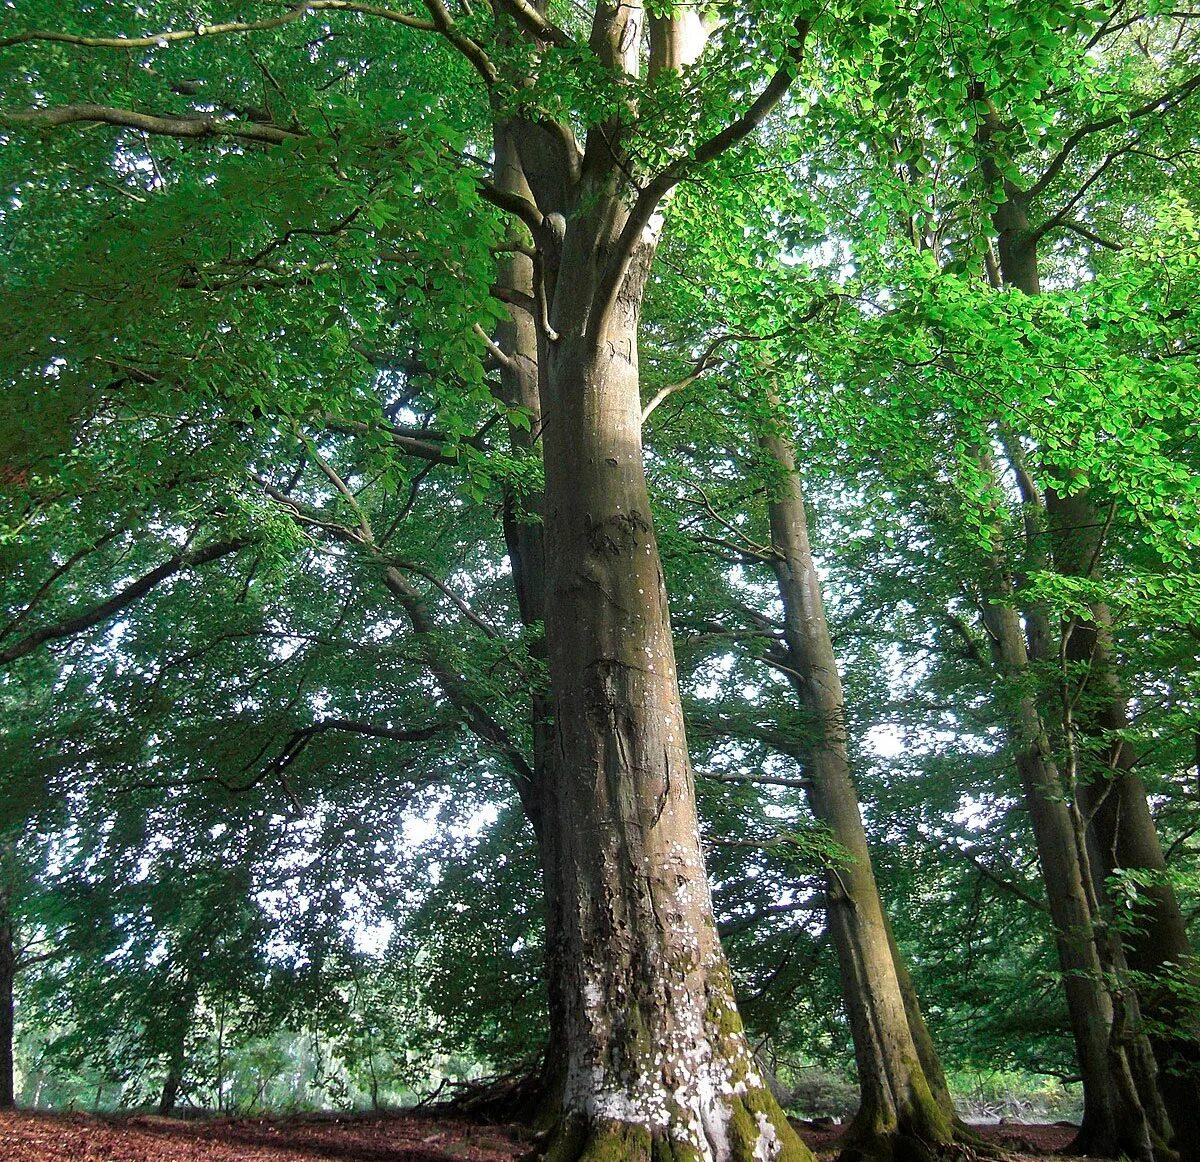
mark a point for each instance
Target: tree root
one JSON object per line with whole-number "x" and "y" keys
{"x": 575, "y": 1139}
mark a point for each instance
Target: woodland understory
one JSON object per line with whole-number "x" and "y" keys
{"x": 634, "y": 563}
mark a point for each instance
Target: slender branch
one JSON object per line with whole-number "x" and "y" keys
{"x": 410, "y": 446}
{"x": 706, "y": 362}
{"x": 1080, "y": 229}
{"x": 170, "y": 36}
{"x": 157, "y": 39}
{"x": 452, "y": 597}
{"x": 301, "y": 738}
{"x": 952, "y": 848}
{"x": 494, "y": 349}
{"x": 756, "y": 780}
{"x": 1159, "y": 104}
{"x": 55, "y": 575}
{"x": 334, "y": 478}
{"x": 167, "y": 126}
{"x": 1061, "y": 216}
{"x": 744, "y": 923}
{"x": 763, "y": 553}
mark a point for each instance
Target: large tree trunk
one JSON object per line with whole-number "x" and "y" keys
{"x": 899, "y": 1109}
{"x": 927, "y": 1054}
{"x": 657, "y": 1062}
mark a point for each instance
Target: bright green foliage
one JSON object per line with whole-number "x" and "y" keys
{"x": 220, "y": 789}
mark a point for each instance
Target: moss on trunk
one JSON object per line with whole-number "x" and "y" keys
{"x": 755, "y": 1130}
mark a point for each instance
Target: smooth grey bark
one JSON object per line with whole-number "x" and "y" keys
{"x": 656, "y": 1061}
{"x": 628, "y": 919}
{"x": 899, "y": 1101}
{"x": 524, "y": 535}
{"x": 656, "y": 1058}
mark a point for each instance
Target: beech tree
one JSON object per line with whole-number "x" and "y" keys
{"x": 300, "y": 259}
{"x": 644, "y": 1011}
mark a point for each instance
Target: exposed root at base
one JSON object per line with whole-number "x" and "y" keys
{"x": 977, "y": 1147}
{"x": 575, "y": 1139}
{"x": 906, "y": 1145}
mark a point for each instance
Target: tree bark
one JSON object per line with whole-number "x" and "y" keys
{"x": 927, "y": 1054}
{"x": 1114, "y": 1122}
{"x": 656, "y": 1059}
{"x": 899, "y": 1111}
{"x": 1122, "y": 834}
{"x": 1121, "y": 829}
{"x": 179, "y": 1023}
{"x": 8, "y": 971}
{"x": 524, "y": 536}
{"x": 172, "y": 1084}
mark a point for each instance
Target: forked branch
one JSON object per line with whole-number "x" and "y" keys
{"x": 653, "y": 193}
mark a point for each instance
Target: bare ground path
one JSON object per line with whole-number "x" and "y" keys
{"x": 40, "y": 1137}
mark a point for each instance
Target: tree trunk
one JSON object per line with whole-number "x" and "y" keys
{"x": 1113, "y": 1120}
{"x": 899, "y": 1112}
{"x": 657, "y": 1063}
{"x": 1040, "y": 636}
{"x": 1121, "y": 828}
{"x": 179, "y": 1024}
{"x": 8, "y": 971}
{"x": 1122, "y": 833}
{"x": 927, "y": 1054}
{"x": 524, "y": 536}
{"x": 172, "y": 1084}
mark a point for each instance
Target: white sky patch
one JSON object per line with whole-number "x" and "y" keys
{"x": 885, "y": 741}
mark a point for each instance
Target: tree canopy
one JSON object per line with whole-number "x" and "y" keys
{"x": 451, "y": 449}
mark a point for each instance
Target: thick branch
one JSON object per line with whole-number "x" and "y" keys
{"x": 512, "y": 203}
{"x": 658, "y": 187}
{"x": 535, "y": 23}
{"x": 122, "y": 600}
{"x": 444, "y": 23}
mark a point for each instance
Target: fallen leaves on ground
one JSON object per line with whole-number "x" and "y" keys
{"x": 408, "y": 1137}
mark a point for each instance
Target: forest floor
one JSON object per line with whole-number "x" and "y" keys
{"x": 411, "y": 1137}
